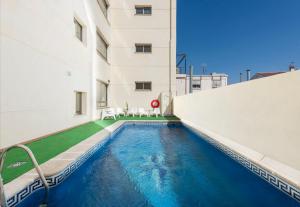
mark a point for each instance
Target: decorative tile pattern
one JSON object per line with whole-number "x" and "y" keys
{"x": 263, "y": 173}
{"x": 59, "y": 178}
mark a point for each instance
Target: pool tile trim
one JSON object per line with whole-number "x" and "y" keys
{"x": 63, "y": 165}
{"x": 258, "y": 165}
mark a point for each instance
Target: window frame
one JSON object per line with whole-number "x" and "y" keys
{"x": 104, "y": 10}
{"x": 99, "y": 35}
{"x": 98, "y": 104}
{"x": 216, "y": 82}
{"x": 143, "y": 45}
{"x": 143, "y": 8}
{"x": 77, "y": 23}
{"x": 143, "y": 88}
{"x": 78, "y": 104}
{"x": 81, "y": 104}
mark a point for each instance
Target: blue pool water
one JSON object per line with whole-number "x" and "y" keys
{"x": 160, "y": 165}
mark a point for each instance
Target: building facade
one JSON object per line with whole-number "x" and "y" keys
{"x": 63, "y": 61}
{"x": 199, "y": 82}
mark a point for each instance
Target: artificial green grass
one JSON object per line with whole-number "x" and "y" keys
{"x": 49, "y": 147}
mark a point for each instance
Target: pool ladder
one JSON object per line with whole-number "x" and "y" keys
{"x": 3, "y": 202}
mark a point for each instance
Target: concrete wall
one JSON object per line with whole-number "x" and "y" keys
{"x": 43, "y": 64}
{"x": 262, "y": 115}
{"x": 128, "y": 66}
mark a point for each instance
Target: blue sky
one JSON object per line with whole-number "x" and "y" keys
{"x": 232, "y": 35}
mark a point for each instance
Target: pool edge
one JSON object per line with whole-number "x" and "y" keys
{"x": 58, "y": 168}
{"x": 22, "y": 187}
{"x": 287, "y": 182}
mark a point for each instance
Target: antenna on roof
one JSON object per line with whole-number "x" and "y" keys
{"x": 292, "y": 67}
{"x": 248, "y": 74}
{"x": 204, "y": 68}
{"x": 241, "y": 77}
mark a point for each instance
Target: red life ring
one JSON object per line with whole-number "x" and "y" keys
{"x": 155, "y": 103}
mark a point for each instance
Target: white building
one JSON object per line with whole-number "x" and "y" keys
{"x": 62, "y": 61}
{"x": 199, "y": 82}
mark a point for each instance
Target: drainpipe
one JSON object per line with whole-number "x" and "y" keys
{"x": 248, "y": 74}
{"x": 191, "y": 78}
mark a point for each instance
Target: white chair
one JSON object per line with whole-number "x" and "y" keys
{"x": 155, "y": 112}
{"x": 132, "y": 111}
{"x": 108, "y": 112}
{"x": 120, "y": 111}
{"x": 142, "y": 112}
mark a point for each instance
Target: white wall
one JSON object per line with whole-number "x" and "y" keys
{"x": 128, "y": 66}
{"x": 262, "y": 115}
{"x": 100, "y": 68}
{"x": 182, "y": 87}
{"x": 43, "y": 63}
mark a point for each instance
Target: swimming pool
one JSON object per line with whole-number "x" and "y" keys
{"x": 161, "y": 165}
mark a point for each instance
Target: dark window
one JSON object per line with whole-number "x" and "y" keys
{"x": 196, "y": 86}
{"x": 147, "y": 85}
{"x": 143, "y": 10}
{"x": 143, "y": 86}
{"x": 216, "y": 82}
{"x": 139, "y": 10}
{"x": 139, "y": 48}
{"x": 147, "y": 48}
{"x": 148, "y": 10}
{"x": 139, "y": 86}
{"x": 143, "y": 48}
{"x": 78, "y": 30}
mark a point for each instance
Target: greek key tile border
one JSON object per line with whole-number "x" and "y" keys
{"x": 263, "y": 173}
{"x": 53, "y": 180}
{"x": 59, "y": 178}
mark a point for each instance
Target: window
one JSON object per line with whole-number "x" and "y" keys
{"x": 143, "y": 10}
{"x": 143, "y": 86}
{"x": 78, "y": 30}
{"x": 79, "y": 103}
{"x": 101, "y": 46}
{"x": 216, "y": 82}
{"x": 143, "y": 48}
{"x": 103, "y": 6}
{"x": 196, "y": 86}
{"x": 101, "y": 94}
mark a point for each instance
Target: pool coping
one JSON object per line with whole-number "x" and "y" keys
{"x": 281, "y": 176}
{"x": 61, "y": 166}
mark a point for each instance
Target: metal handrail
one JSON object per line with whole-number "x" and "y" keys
{"x": 3, "y": 202}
